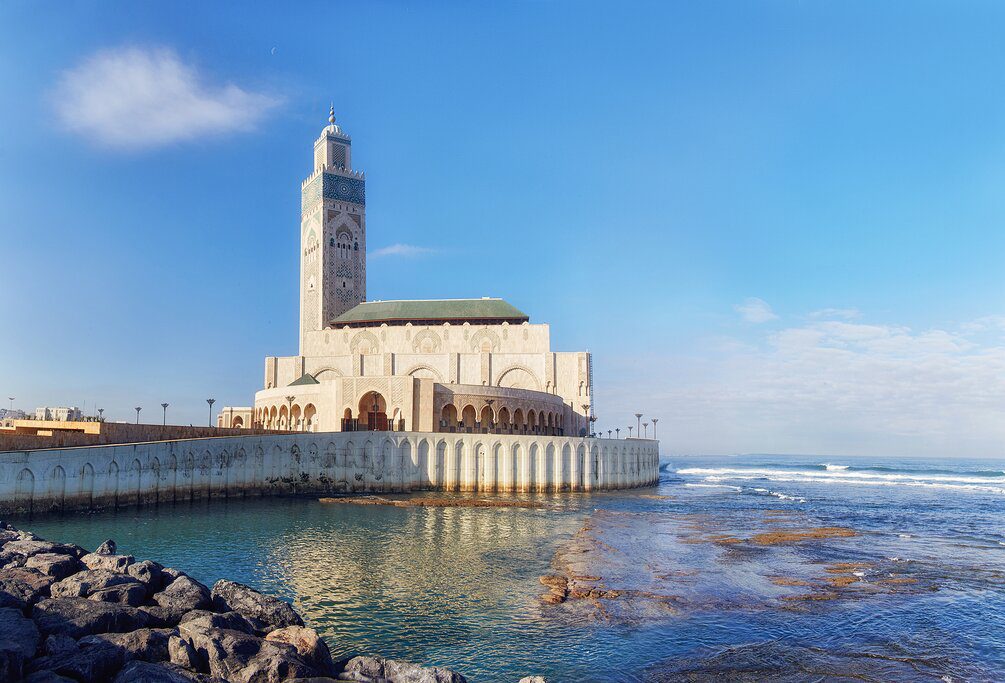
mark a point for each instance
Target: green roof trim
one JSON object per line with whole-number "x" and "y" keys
{"x": 432, "y": 311}
{"x": 306, "y": 378}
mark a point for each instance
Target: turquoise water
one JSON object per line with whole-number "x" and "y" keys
{"x": 459, "y": 587}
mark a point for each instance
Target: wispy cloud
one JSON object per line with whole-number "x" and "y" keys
{"x": 755, "y": 310}
{"x": 405, "y": 250}
{"x": 135, "y": 98}
{"x": 843, "y": 313}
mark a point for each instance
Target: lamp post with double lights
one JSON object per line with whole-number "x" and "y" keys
{"x": 655, "y": 420}
{"x": 289, "y": 413}
{"x": 638, "y": 425}
{"x": 138, "y": 409}
{"x": 165, "y": 420}
{"x": 210, "y": 401}
{"x": 629, "y": 431}
{"x": 646, "y": 425}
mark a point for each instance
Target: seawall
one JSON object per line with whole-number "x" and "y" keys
{"x": 282, "y": 464}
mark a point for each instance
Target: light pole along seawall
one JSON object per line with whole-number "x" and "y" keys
{"x": 283, "y": 464}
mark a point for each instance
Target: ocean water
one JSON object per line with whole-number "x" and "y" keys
{"x": 742, "y": 568}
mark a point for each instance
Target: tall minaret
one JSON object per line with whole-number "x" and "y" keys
{"x": 332, "y": 233}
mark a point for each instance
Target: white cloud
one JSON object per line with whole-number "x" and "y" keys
{"x": 135, "y": 98}
{"x": 755, "y": 310}
{"x": 405, "y": 250}
{"x": 843, "y": 313}
{"x": 828, "y": 387}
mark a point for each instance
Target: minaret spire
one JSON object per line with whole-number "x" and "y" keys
{"x": 331, "y": 114}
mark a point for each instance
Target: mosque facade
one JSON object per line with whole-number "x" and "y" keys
{"x": 452, "y": 365}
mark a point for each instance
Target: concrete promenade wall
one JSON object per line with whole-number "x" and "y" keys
{"x": 278, "y": 464}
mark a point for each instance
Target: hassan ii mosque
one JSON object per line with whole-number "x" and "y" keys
{"x": 447, "y": 365}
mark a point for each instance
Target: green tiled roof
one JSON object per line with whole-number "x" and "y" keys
{"x": 432, "y": 310}
{"x": 306, "y": 378}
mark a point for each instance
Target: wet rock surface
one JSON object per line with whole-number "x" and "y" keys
{"x": 70, "y": 615}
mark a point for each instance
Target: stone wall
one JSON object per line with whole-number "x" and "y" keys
{"x": 279, "y": 464}
{"x": 38, "y": 434}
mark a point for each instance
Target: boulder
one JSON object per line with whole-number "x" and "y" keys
{"x": 47, "y": 677}
{"x": 8, "y": 535}
{"x": 56, "y": 565}
{"x": 148, "y": 644}
{"x": 184, "y": 592}
{"x": 533, "y": 679}
{"x": 21, "y": 588}
{"x": 79, "y": 617}
{"x": 231, "y": 620}
{"x": 243, "y": 658}
{"x": 260, "y": 608}
{"x": 87, "y": 582}
{"x": 19, "y": 639}
{"x": 132, "y": 594}
{"x": 106, "y": 548}
{"x": 360, "y": 668}
{"x": 146, "y": 672}
{"x": 309, "y": 645}
{"x": 29, "y": 547}
{"x": 169, "y": 574}
{"x": 59, "y": 644}
{"x": 116, "y": 563}
{"x": 163, "y": 617}
{"x": 182, "y": 652}
{"x": 93, "y": 662}
{"x": 148, "y": 573}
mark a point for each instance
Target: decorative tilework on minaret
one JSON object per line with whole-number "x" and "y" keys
{"x": 332, "y": 232}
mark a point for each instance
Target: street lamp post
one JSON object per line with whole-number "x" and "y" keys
{"x": 11, "y": 399}
{"x": 638, "y": 423}
{"x": 165, "y": 420}
{"x": 489, "y": 402}
{"x": 629, "y": 431}
{"x": 376, "y": 404}
{"x": 101, "y": 414}
{"x": 617, "y": 432}
{"x": 655, "y": 420}
{"x": 138, "y": 409}
{"x": 210, "y": 401}
{"x": 646, "y": 425}
{"x": 289, "y": 415}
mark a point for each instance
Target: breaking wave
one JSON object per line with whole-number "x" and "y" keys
{"x": 982, "y": 481}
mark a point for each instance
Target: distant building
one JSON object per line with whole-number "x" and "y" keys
{"x": 59, "y": 414}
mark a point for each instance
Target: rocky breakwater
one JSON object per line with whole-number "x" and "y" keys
{"x": 67, "y": 614}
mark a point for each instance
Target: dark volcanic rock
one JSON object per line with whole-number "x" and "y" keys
{"x": 18, "y": 641}
{"x": 47, "y": 677}
{"x": 79, "y": 617}
{"x": 182, "y": 652}
{"x": 132, "y": 594}
{"x": 163, "y": 617}
{"x": 228, "y": 595}
{"x": 309, "y": 645}
{"x": 56, "y": 565}
{"x": 145, "y": 672}
{"x": 85, "y": 583}
{"x": 116, "y": 563}
{"x": 230, "y": 620}
{"x": 148, "y": 573}
{"x": 397, "y": 672}
{"x": 184, "y": 592}
{"x": 148, "y": 644}
{"x": 20, "y": 587}
{"x": 106, "y": 548}
{"x": 94, "y": 662}
{"x": 237, "y": 656}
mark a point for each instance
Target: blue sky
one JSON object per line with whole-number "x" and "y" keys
{"x": 777, "y": 225}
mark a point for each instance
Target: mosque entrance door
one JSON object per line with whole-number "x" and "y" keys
{"x": 373, "y": 411}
